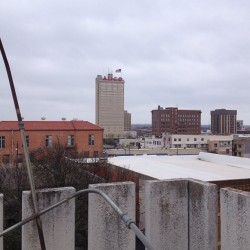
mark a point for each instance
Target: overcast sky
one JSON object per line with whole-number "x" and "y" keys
{"x": 192, "y": 54}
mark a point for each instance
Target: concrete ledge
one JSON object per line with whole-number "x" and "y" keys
{"x": 105, "y": 229}
{"x": 58, "y": 224}
{"x": 235, "y": 219}
{"x": 166, "y": 214}
{"x": 203, "y": 215}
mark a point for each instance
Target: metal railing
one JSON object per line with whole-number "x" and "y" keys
{"x": 123, "y": 216}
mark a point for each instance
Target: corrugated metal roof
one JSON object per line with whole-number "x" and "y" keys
{"x": 49, "y": 125}
{"x": 205, "y": 167}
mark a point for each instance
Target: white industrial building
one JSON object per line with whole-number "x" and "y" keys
{"x": 221, "y": 144}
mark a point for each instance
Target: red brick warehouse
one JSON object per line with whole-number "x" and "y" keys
{"x": 84, "y": 136}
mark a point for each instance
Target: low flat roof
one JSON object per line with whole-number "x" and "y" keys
{"x": 205, "y": 166}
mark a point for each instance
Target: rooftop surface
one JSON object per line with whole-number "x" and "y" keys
{"x": 49, "y": 125}
{"x": 205, "y": 166}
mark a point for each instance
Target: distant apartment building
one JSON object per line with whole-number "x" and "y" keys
{"x": 85, "y": 137}
{"x": 241, "y": 146}
{"x": 219, "y": 144}
{"x": 127, "y": 121}
{"x": 224, "y": 122}
{"x": 110, "y": 105}
{"x": 175, "y": 121}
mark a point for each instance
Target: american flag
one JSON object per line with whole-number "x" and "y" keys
{"x": 118, "y": 71}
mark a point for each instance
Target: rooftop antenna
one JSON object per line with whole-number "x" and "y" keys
{"x": 25, "y": 148}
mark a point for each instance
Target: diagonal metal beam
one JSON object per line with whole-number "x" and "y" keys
{"x": 25, "y": 148}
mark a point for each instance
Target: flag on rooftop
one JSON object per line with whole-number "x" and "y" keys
{"x": 118, "y": 71}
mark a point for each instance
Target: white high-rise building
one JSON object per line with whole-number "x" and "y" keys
{"x": 110, "y": 105}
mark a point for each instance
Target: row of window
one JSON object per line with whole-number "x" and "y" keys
{"x": 195, "y": 139}
{"x": 153, "y": 142}
{"x": 48, "y": 140}
{"x": 70, "y": 140}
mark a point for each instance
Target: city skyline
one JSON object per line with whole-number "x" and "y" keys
{"x": 190, "y": 55}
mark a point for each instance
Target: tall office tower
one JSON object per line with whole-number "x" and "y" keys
{"x": 127, "y": 121}
{"x": 224, "y": 122}
{"x": 174, "y": 121}
{"x": 110, "y": 105}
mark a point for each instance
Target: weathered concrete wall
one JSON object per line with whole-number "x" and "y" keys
{"x": 58, "y": 224}
{"x": 166, "y": 219}
{"x": 235, "y": 219}
{"x": 203, "y": 218}
{"x": 1, "y": 220}
{"x": 106, "y": 230}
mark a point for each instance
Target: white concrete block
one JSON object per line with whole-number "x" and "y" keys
{"x": 235, "y": 219}
{"x": 166, "y": 214}
{"x": 203, "y": 215}
{"x": 106, "y": 231}
{"x": 58, "y": 224}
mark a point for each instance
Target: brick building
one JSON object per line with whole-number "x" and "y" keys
{"x": 84, "y": 136}
{"x": 175, "y": 121}
{"x": 224, "y": 122}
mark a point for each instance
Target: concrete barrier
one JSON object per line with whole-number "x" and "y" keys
{"x": 58, "y": 224}
{"x": 181, "y": 214}
{"x": 235, "y": 219}
{"x": 105, "y": 229}
{"x": 203, "y": 215}
{"x": 166, "y": 218}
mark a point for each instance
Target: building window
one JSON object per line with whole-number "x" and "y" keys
{"x": 27, "y": 140}
{"x": 6, "y": 159}
{"x": 2, "y": 141}
{"x": 71, "y": 140}
{"x": 175, "y": 139}
{"x": 48, "y": 141}
{"x": 195, "y": 139}
{"x": 91, "y": 140}
{"x": 86, "y": 154}
{"x": 96, "y": 154}
{"x": 202, "y": 139}
{"x": 179, "y": 139}
{"x": 19, "y": 158}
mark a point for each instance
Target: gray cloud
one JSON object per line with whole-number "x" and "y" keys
{"x": 194, "y": 54}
